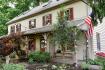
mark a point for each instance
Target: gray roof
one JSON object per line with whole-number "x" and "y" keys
{"x": 37, "y": 9}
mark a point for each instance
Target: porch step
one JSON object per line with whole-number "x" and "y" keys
{"x": 68, "y": 52}
{"x": 66, "y": 55}
{"x": 63, "y": 60}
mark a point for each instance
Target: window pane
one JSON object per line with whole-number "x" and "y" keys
{"x": 98, "y": 41}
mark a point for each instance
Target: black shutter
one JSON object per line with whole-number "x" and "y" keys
{"x": 43, "y": 20}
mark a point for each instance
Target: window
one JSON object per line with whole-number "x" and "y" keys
{"x": 98, "y": 41}
{"x": 18, "y": 27}
{"x": 32, "y": 23}
{"x": 12, "y": 29}
{"x": 47, "y": 19}
{"x": 69, "y": 13}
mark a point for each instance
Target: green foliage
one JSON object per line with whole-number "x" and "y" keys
{"x": 98, "y": 7}
{"x": 64, "y": 33}
{"x": 8, "y": 12}
{"x": 13, "y": 67}
{"x": 93, "y": 62}
{"x": 3, "y": 29}
{"x": 101, "y": 61}
{"x": 98, "y": 61}
{"x": 38, "y": 56}
{"x": 31, "y": 61}
{"x": 85, "y": 66}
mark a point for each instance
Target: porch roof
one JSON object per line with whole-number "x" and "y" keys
{"x": 50, "y": 27}
{"x": 39, "y": 30}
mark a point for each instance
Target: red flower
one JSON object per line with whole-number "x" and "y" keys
{"x": 102, "y": 54}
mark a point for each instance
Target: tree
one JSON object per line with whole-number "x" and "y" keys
{"x": 98, "y": 8}
{"x": 12, "y": 8}
{"x": 63, "y": 35}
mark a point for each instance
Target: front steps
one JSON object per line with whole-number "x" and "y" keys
{"x": 67, "y": 58}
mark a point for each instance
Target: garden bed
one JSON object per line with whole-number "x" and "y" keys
{"x": 49, "y": 66}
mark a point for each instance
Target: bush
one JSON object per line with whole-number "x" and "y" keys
{"x": 101, "y": 61}
{"x": 38, "y": 56}
{"x": 98, "y": 61}
{"x": 85, "y": 66}
{"x": 31, "y": 61}
{"x": 13, "y": 67}
{"x": 93, "y": 62}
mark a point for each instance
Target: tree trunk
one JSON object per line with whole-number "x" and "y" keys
{"x": 63, "y": 51}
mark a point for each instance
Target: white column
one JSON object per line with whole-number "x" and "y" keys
{"x": 7, "y": 59}
{"x": 26, "y": 44}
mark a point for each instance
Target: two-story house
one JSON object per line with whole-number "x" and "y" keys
{"x": 36, "y": 25}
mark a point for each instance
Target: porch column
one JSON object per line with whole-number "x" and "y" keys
{"x": 7, "y": 59}
{"x": 26, "y": 44}
{"x": 75, "y": 54}
{"x": 46, "y": 42}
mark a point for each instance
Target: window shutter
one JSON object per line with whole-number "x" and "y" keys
{"x": 50, "y": 18}
{"x": 16, "y": 27}
{"x": 19, "y": 27}
{"x": 71, "y": 14}
{"x": 29, "y": 24}
{"x": 13, "y": 29}
{"x": 34, "y": 22}
{"x": 43, "y": 20}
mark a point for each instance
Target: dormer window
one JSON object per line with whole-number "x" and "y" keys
{"x": 47, "y": 19}
{"x": 18, "y": 27}
{"x": 32, "y": 23}
{"x": 12, "y": 29}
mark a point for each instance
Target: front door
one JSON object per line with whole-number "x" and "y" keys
{"x": 42, "y": 44}
{"x": 32, "y": 45}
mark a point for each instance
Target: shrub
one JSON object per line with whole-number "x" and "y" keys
{"x": 13, "y": 67}
{"x": 85, "y": 66}
{"x": 31, "y": 60}
{"x": 38, "y": 56}
{"x": 101, "y": 61}
{"x": 93, "y": 62}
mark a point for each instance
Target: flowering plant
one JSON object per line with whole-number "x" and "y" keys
{"x": 101, "y": 54}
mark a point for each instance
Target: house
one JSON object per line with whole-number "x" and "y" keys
{"x": 98, "y": 37}
{"x": 36, "y": 26}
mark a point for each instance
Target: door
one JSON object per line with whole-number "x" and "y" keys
{"x": 42, "y": 44}
{"x": 32, "y": 45}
